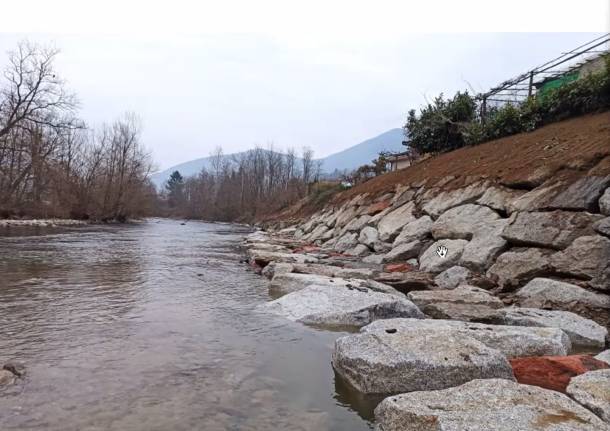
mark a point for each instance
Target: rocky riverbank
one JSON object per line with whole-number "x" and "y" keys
{"x": 53, "y": 222}
{"x": 463, "y": 298}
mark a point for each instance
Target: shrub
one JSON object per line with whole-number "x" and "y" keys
{"x": 449, "y": 124}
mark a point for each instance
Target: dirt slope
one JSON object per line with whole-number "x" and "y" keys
{"x": 573, "y": 147}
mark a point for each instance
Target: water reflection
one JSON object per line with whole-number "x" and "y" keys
{"x": 153, "y": 327}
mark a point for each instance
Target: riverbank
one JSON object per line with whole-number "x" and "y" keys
{"x": 460, "y": 287}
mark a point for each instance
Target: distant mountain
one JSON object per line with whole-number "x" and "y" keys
{"x": 346, "y": 160}
{"x": 362, "y": 153}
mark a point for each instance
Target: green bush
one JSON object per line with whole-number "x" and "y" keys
{"x": 449, "y": 124}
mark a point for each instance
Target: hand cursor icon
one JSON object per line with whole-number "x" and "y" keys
{"x": 441, "y": 250}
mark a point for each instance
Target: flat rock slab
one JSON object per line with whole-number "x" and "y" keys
{"x": 291, "y": 282}
{"x": 407, "y": 281}
{"x": 462, "y": 312}
{"x": 553, "y": 372}
{"x": 340, "y": 306}
{"x": 415, "y": 360}
{"x": 592, "y": 390}
{"x": 558, "y": 295}
{"x": 485, "y": 405}
{"x": 582, "y": 332}
{"x": 512, "y": 341}
{"x": 464, "y": 294}
{"x": 263, "y": 257}
{"x": 553, "y": 229}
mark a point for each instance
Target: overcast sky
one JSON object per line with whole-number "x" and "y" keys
{"x": 242, "y": 73}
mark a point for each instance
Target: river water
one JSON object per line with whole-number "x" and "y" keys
{"x": 153, "y": 326}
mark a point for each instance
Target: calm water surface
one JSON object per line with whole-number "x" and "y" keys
{"x": 153, "y": 327}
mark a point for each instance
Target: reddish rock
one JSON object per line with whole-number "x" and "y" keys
{"x": 553, "y": 372}
{"x": 398, "y": 267}
{"x": 306, "y": 249}
{"x": 377, "y": 207}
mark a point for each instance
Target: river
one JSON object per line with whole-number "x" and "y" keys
{"x": 153, "y": 326}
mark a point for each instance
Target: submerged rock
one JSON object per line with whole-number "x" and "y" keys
{"x": 485, "y": 405}
{"x": 327, "y": 305}
{"x": 553, "y": 372}
{"x": 391, "y": 362}
{"x": 512, "y": 341}
{"x": 592, "y": 390}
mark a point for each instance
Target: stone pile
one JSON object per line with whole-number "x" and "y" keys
{"x": 458, "y": 296}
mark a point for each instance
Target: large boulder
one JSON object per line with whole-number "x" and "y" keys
{"x": 538, "y": 198}
{"x": 554, "y": 229}
{"x": 486, "y": 244}
{"x": 512, "y": 341}
{"x": 404, "y": 251}
{"x": 449, "y": 199}
{"x": 558, "y": 295}
{"x": 583, "y": 333}
{"x": 482, "y": 405}
{"x": 431, "y": 261}
{"x": 452, "y": 277}
{"x": 463, "y": 221}
{"x": 345, "y": 215}
{"x": 583, "y": 194}
{"x": 592, "y": 390}
{"x": 357, "y": 223}
{"x": 368, "y": 236}
{"x": 347, "y": 241}
{"x": 393, "y": 222}
{"x": 416, "y": 230}
{"x": 340, "y": 306}
{"x": 514, "y": 268}
{"x": 415, "y": 360}
{"x": 553, "y": 372}
{"x": 588, "y": 257}
{"x": 317, "y": 233}
{"x": 358, "y": 250}
{"x": 604, "y": 202}
{"x": 499, "y": 198}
